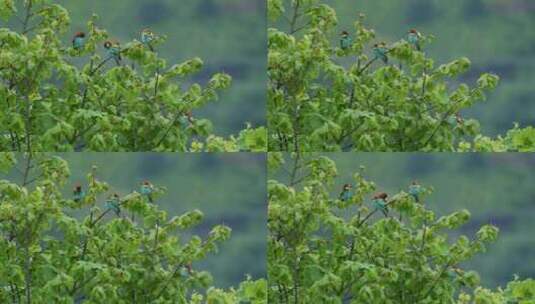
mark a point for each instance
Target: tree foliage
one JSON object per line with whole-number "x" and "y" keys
{"x": 136, "y": 255}
{"x": 56, "y": 97}
{"x": 344, "y": 250}
{"x": 325, "y": 98}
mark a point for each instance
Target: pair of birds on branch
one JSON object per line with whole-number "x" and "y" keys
{"x": 380, "y": 199}
{"x": 113, "y": 47}
{"x": 380, "y": 50}
{"x": 113, "y": 202}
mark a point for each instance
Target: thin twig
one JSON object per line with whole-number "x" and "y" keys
{"x": 295, "y": 168}
{"x": 433, "y": 285}
{"x": 173, "y": 122}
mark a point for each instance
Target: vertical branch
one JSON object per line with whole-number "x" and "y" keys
{"x": 422, "y": 244}
{"x": 13, "y": 291}
{"x": 295, "y": 16}
{"x": 156, "y": 233}
{"x": 296, "y": 129}
{"x": 26, "y": 21}
{"x": 27, "y": 168}
{"x": 296, "y": 277}
{"x": 157, "y": 82}
{"x": 295, "y": 168}
{"x": 28, "y": 127}
{"x": 27, "y": 237}
{"x": 15, "y": 142}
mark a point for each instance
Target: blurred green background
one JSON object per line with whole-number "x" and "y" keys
{"x": 229, "y": 35}
{"x": 228, "y": 188}
{"x": 495, "y": 188}
{"x": 497, "y": 36}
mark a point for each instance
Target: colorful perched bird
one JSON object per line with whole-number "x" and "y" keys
{"x": 147, "y": 36}
{"x": 345, "y": 40}
{"x": 190, "y": 117}
{"x": 459, "y": 119}
{"x": 186, "y": 270}
{"x": 380, "y": 52}
{"x": 413, "y": 38}
{"x": 186, "y": 119}
{"x": 113, "y": 48}
{"x": 114, "y": 203}
{"x": 146, "y": 189}
{"x": 78, "y": 41}
{"x": 346, "y": 193}
{"x": 379, "y": 202}
{"x": 414, "y": 190}
{"x": 455, "y": 119}
{"x": 78, "y": 194}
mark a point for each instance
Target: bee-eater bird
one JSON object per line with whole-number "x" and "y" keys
{"x": 379, "y": 202}
{"x": 380, "y": 52}
{"x": 459, "y": 118}
{"x": 345, "y": 40}
{"x": 346, "y": 193}
{"x": 414, "y": 190}
{"x": 189, "y": 116}
{"x": 147, "y": 36}
{"x": 413, "y": 38}
{"x": 455, "y": 119}
{"x": 77, "y": 193}
{"x": 146, "y": 189}
{"x": 113, "y": 202}
{"x": 113, "y": 48}
{"x": 78, "y": 41}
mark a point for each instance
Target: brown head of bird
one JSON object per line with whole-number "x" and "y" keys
{"x": 79, "y": 35}
{"x": 347, "y": 186}
{"x": 381, "y": 44}
{"x": 344, "y": 34}
{"x": 380, "y": 195}
{"x": 146, "y": 31}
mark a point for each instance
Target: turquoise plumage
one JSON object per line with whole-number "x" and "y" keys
{"x": 78, "y": 41}
{"x": 380, "y": 51}
{"x": 113, "y": 49}
{"x": 147, "y": 37}
{"x": 455, "y": 119}
{"x": 147, "y": 189}
{"x": 345, "y": 41}
{"x": 413, "y": 37}
{"x": 414, "y": 190}
{"x": 114, "y": 203}
{"x": 346, "y": 193}
{"x": 78, "y": 194}
{"x": 379, "y": 202}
